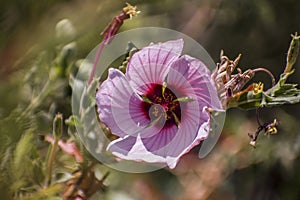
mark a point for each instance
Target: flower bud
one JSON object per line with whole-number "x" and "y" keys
{"x": 292, "y": 53}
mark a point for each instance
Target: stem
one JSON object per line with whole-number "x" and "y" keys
{"x": 110, "y": 31}
{"x": 96, "y": 60}
{"x": 51, "y": 161}
{"x": 257, "y": 116}
{"x": 266, "y": 71}
{"x": 57, "y": 132}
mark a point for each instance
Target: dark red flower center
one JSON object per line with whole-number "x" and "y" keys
{"x": 161, "y": 105}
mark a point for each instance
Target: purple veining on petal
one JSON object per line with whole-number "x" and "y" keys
{"x": 150, "y": 64}
{"x": 190, "y": 128}
{"x": 161, "y": 139}
{"x": 193, "y": 77}
{"x": 115, "y": 99}
{"x": 178, "y": 139}
{"x": 136, "y": 111}
{"x": 104, "y": 98}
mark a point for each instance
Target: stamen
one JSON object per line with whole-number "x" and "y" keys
{"x": 271, "y": 128}
{"x": 258, "y": 87}
{"x": 164, "y": 86}
{"x": 155, "y": 112}
{"x": 131, "y": 10}
{"x": 184, "y": 99}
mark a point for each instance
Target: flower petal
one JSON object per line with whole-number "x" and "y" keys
{"x": 161, "y": 139}
{"x": 137, "y": 153}
{"x": 119, "y": 107}
{"x": 192, "y": 77}
{"x": 169, "y": 144}
{"x": 194, "y": 128}
{"x": 122, "y": 145}
{"x": 150, "y": 64}
{"x": 190, "y": 132}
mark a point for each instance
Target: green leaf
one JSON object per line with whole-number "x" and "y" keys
{"x": 276, "y": 96}
{"x": 48, "y": 193}
{"x": 73, "y": 120}
{"x": 246, "y": 101}
{"x": 131, "y": 49}
{"x": 281, "y": 86}
{"x": 21, "y": 158}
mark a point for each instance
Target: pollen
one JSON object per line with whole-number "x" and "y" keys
{"x": 156, "y": 111}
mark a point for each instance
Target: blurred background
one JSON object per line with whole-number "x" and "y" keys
{"x": 32, "y": 51}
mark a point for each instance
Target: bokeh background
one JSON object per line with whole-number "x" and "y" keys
{"x": 31, "y": 53}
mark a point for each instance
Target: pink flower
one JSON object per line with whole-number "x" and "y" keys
{"x": 159, "y": 108}
{"x": 67, "y": 147}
